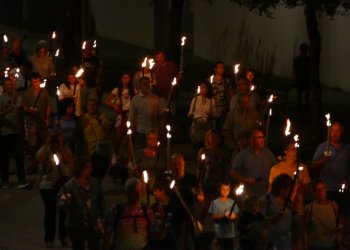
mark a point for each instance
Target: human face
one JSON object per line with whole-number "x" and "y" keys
{"x": 180, "y": 166}
{"x": 71, "y": 79}
{"x": 160, "y": 58}
{"x": 87, "y": 170}
{"x": 203, "y": 90}
{"x": 92, "y": 107}
{"x": 8, "y": 86}
{"x": 244, "y": 102}
{"x": 291, "y": 152}
{"x": 35, "y": 82}
{"x": 42, "y": 52}
{"x": 242, "y": 86}
{"x": 320, "y": 191}
{"x": 158, "y": 194}
{"x": 257, "y": 140}
{"x": 256, "y": 207}
{"x": 145, "y": 86}
{"x": 336, "y": 133}
{"x": 219, "y": 69}
{"x": 250, "y": 76}
{"x": 125, "y": 79}
{"x": 225, "y": 191}
{"x": 152, "y": 141}
{"x": 69, "y": 110}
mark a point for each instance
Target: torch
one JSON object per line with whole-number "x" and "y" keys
{"x": 56, "y": 56}
{"x": 168, "y": 136}
{"x": 239, "y": 192}
{"x": 171, "y": 93}
{"x": 269, "y": 101}
{"x": 83, "y": 46}
{"x": 327, "y": 152}
{"x": 143, "y": 65}
{"x": 77, "y": 75}
{"x": 151, "y": 64}
{"x": 267, "y": 127}
{"x": 236, "y": 70}
{"x": 5, "y": 39}
{"x": 211, "y": 79}
{"x": 53, "y": 37}
{"x": 341, "y": 191}
{"x": 145, "y": 179}
{"x": 132, "y": 153}
{"x": 42, "y": 85}
{"x": 58, "y": 93}
{"x": 183, "y": 40}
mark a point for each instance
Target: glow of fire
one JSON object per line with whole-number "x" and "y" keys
{"x": 84, "y": 45}
{"x": 174, "y": 82}
{"x": 296, "y": 140}
{"x": 56, "y": 160}
{"x": 172, "y": 184}
{"x": 158, "y": 143}
{"x": 198, "y": 89}
{"x": 203, "y": 157}
{"x": 17, "y": 73}
{"x": 151, "y": 63}
{"x": 58, "y": 92}
{"x": 79, "y": 73}
{"x": 270, "y": 112}
{"x": 168, "y": 135}
{"x": 168, "y": 128}
{"x": 57, "y": 53}
{"x": 129, "y": 132}
{"x": 6, "y": 73}
{"x": 287, "y": 131}
{"x": 212, "y": 79}
{"x": 143, "y": 65}
{"x": 328, "y": 117}
{"x": 271, "y": 98}
{"x": 5, "y": 38}
{"x": 240, "y": 189}
{"x": 128, "y": 124}
{"x": 53, "y": 35}
{"x": 236, "y": 68}
{"x": 252, "y": 88}
{"x": 95, "y": 44}
{"x": 300, "y": 168}
{"x": 145, "y": 176}
{"x": 183, "y": 41}
{"x": 43, "y": 84}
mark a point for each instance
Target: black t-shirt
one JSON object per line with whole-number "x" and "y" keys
{"x": 185, "y": 186}
{"x": 91, "y": 66}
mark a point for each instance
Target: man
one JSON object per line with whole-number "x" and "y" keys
{"x": 252, "y": 165}
{"x": 243, "y": 88}
{"x": 222, "y": 92}
{"x": 240, "y": 119}
{"x": 36, "y": 106}
{"x": 12, "y": 137}
{"x": 128, "y": 222}
{"x": 334, "y": 166}
{"x": 301, "y": 73}
{"x": 144, "y": 112}
{"x": 165, "y": 72}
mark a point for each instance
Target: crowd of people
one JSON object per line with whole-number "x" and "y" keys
{"x": 254, "y": 201}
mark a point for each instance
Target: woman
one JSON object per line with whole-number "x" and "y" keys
{"x": 82, "y": 199}
{"x": 95, "y": 128}
{"x": 72, "y": 89}
{"x": 41, "y": 61}
{"x": 119, "y": 100}
{"x": 50, "y": 174}
{"x": 144, "y": 72}
{"x": 201, "y": 110}
{"x": 67, "y": 122}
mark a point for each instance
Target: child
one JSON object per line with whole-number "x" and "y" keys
{"x": 223, "y": 220}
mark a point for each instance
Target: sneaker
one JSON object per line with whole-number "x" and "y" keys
{"x": 23, "y": 184}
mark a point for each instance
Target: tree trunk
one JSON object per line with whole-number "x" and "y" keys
{"x": 311, "y": 8}
{"x": 176, "y": 10}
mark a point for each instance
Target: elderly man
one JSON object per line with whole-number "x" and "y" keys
{"x": 252, "y": 165}
{"x": 334, "y": 165}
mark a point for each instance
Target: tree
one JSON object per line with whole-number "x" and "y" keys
{"x": 311, "y": 7}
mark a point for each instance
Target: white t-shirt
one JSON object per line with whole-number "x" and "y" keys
{"x": 125, "y": 98}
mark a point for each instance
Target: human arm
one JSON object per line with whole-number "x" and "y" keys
{"x": 319, "y": 158}
{"x": 108, "y": 100}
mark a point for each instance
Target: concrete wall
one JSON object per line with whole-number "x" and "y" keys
{"x": 130, "y": 21}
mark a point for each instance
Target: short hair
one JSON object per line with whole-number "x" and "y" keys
{"x": 130, "y": 184}
{"x": 281, "y": 182}
{"x": 65, "y": 103}
{"x": 224, "y": 183}
{"x": 318, "y": 181}
{"x": 218, "y": 62}
{"x": 253, "y": 130}
{"x": 34, "y": 75}
{"x": 162, "y": 184}
{"x": 79, "y": 165}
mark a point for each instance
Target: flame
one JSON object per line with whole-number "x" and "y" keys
{"x": 143, "y": 65}
{"x": 198, "y": 89}
{"x": 174, "y": 82}
{"x": 95, "y": 44}
{"x": 84, "y": 45}
{"x": 168, "y": 128}
{"x": 145, "y": 176}
{"x": 203, "y": 157}
{"x": 43, "y": 84}
{"x": 270, "y": 112}
{"x": 128, "y": 124}
{"x": 328, "y": 117}
{"x": 79, "y": 73}
{"x": 17, "y": 73}
{"x": 183, "y": 40}
{"x": 129, "y": 131}
{"x": 296, "y": 139}
{"x": 240, "y": 189}
{"x": 168, "y": 135}
{"x": 58, "y": 92}
{"x": 53, "y": 35}
{"x": 236, "y": 68}
{"x": 158, "y": 143}
{"x": 212, "y": 79}
{"x": 5, "y": 38}
{"x": 271, "y": 98}
{"x": 343, "y": 186}
{"x": 300, "y": 168}
{"x": 57, "y": 53}
{"x": 56, "y": 160}
{"x": 252, "y": 88}
{"x": 151, "y": 63}
{"x": 172, "y": 184}
{"x": 287, "y": 131}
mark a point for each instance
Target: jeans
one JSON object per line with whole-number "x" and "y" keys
{"x": 49, "y": 197}
{"x": 12, "y": 145}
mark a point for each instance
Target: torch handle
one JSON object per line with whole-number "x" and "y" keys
{"x": 232, "y": 208}
{"x": 37, "y": 99}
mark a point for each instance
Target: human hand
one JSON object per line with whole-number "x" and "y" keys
{"x": 231, "y": 216}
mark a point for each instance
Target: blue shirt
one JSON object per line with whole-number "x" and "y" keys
{"x": 334, "y": 171}
{"x": 251, "y": 165}
{"x": 223, "y": 228}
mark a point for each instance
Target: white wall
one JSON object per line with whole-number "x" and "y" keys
{"x": 130, "y": 21}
